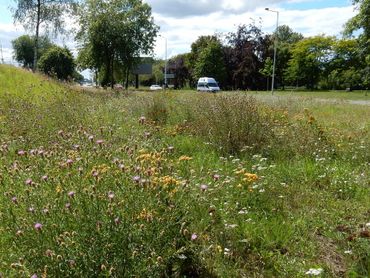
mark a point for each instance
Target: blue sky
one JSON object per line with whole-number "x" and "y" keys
{"x": 183, "y": 21}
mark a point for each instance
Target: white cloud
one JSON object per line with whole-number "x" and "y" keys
{"x": 181, "y": 32}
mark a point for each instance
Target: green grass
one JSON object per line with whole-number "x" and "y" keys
{"x": 179, "y": 184}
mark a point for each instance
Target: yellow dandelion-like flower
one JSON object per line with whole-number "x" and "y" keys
{"x": 249, "y": 177}
{"x": 185, "y": 158}
{"x": 58, "y": 189}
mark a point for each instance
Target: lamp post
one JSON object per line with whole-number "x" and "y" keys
{"x": 275, "y": 46}
{"x": 165, "y": 64}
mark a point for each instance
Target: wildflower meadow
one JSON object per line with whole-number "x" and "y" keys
{"x": 98, "y": 183}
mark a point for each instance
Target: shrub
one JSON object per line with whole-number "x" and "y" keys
{"x": 58, "y": 62}
{"x": 232, "y": 122}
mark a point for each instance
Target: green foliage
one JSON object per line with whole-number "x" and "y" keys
{"x": 34, "y": 14}
{"x": 58, "y": 62}
{"x": 310, "y": 59}
{"x": 23, "y": 47}
{"x": 210, "y": 62}
{"x": 114, "y": 34}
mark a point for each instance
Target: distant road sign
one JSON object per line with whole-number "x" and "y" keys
{"x": 170, "y": 75}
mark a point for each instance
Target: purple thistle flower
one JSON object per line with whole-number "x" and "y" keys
{"x": 216, "y": 177}
{"x": 69, "y": 161}
{"x": 38, "y": 226}
{"x": 194, "y": 236}
{"x": 21, "y": 152}
{"x": 136, "y": 179}
{"x": 68, "y": 205}
{"x": 34, "y": 276}
{"x": 91, "y": 138}
{"x": 71, "y": 194}
{"x": 15, "y": 200}
{"x": 44, "y": 177}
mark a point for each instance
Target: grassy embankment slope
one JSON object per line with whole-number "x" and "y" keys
{"x": 174, "y": 185}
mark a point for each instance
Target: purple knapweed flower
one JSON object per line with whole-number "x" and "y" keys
{"x": 136, "y": 179}
{"x": 142, "y": 120}
{"x": 34, "y": 276}
{"x": 21, "y": 152}
{"x": 69, "y": 161}
{"x": 194, "y": 236}
{"x": 71, "y": 194}
{"x": 100, "y": 142}
{"x": 44, "y": 177}
{"x": 203, "y": 187}
{"x": 15, "y": 200}
{"x": 110, "y": 195}
{"x": 216, "y": 177}
{"x": 28, "y": 182}
{"x": 38, "y": 226}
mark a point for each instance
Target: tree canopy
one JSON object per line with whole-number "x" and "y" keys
{"x": 115, "y": 33}
{"x": 34, "y": 14}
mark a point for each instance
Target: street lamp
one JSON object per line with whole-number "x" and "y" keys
{"x": 165, "y": 61}
{"x": 165, "y": 64}
{"x": 275, "y": 46}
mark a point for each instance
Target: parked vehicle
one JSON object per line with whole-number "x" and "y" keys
{"x": 155, "y": 87}
{"x": 207, "y": 84}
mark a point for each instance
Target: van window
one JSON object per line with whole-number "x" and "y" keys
{"x": 212, "y": 84}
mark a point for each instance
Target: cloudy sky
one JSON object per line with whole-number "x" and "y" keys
{"x": 183, "y": 21}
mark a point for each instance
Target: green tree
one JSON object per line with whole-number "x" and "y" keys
{"x": 58, "y": 62}
{"x": 35, "y": 14}
{"x": 344, "y": 66}
{"x": 310, "y": 60}
{"x": 196, "y": 48}
{"x": 361, "y": 24}
{"x": 267, "y": 70}
{"x": 287, "y": 38}
{"x": 114, "y": 33}
{"x": 23, "y": 48}
{"x": 210, "y": 62}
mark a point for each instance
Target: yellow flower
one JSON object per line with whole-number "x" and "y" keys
{"x": 185, "y": 158}
{"x": 249, "y": 177}
{"x": 146, "y": 215}
{"x": 58, "y": 189}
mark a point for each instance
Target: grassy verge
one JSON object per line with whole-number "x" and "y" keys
{"x": 179, "y": 184}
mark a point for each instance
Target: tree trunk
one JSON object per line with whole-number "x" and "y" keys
{"x": 36, "y": 48}
{"x": 127, "y": 74}
{"x": 112, "y": 74}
